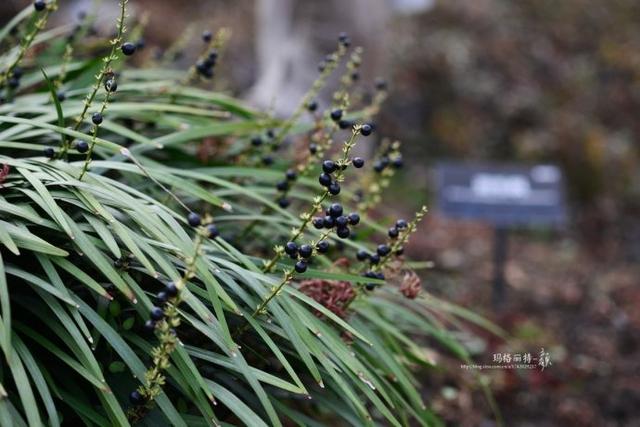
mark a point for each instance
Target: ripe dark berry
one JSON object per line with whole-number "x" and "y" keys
{"x": 354, "y": 218}
{"x": 334, "y": 188}
{"x": 301, "y": 266}
{"x": 345, "y": 124}
{"x": 318, "y": 223}
{"x": 362, "y": 255}
{"x": 358, "y": 162}
{"x": 305, "y": 251}
{"x": 344, "y": 40}
{"x": 267, "y": 160}
{"x": 393, "y": 232}
{"x": 291, "y": 248}
{"x": 13, "y": 82}
{"x": 17, "y": 72}
{"x": 336, "y": 115}
{"x": 374, "y": 259}
{"x": 128, "y": 48}
{"x": 399, "y": 251}
{"x": 156, "y": 313}
{"x": 343, "y": 232}
{"x": 381, "y": 84}
{"x": 82, "y": 146}
{"x": 355, "y": 76}
{"x": 283, "y": 202}
{"x": 271, "y": 134}
{"x": 207, "y": 36}
{"x": 49, "y": 152}
{"x": 384, "y": 161}
{"x": 370, "y": 286}
{"x": 212, "y": 231}
{"x": 397, "y": 162}
{"x": 329, "y": 222}
{"x": 162, "y": 297}
{"x": 342, "y": 221}
{"x": 204, "y": 69}
{"x": 401, "y": 223}
{"x": 380, "y": 276}
{"x": 312, "y": 106}
{"x": 171, "y": 289}
{"x": 322, "y": 246}
{"x": 61, "y": 96}
{"x": 335, "y": 210}
{"x": 325, "y": 179}
{"x": 110, "y": 85}
{"x": 256, "y": 141}
{"x": 321, "y": 66}
{"x": 329, "y": 166}
{"x": 136, "y": 398}
{"x": 282, "y": 186}
{"x": 383, "y": 250}
{"x": 149, "y": 326}
{"x": 39, "y": 5}
{"x": 96, "y": 118}
{"x": 313, "y": 148}
{"x": 291, "y": 175}
{"x": 213, "y": 55}
{"x": 366, "y": 129}
{"x": 194, "y": 219}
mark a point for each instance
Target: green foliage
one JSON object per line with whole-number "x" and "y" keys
{"x": 83, "y": 254}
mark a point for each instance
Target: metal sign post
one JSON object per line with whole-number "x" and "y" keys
{"x": 506, "y": 196}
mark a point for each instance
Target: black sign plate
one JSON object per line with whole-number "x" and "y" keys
{"x": 503, "y": 195}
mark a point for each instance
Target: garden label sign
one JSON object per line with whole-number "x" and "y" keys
{"x": 505, "y": 196}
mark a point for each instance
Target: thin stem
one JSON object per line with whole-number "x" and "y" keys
{"x": 106, "y": 68}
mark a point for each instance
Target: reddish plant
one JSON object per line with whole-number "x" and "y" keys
{"x": 334, "y": 295}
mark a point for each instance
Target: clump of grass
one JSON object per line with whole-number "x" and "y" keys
{"x": 121, "y": 301}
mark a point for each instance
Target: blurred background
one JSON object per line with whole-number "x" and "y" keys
{"x": 521, "y": 82}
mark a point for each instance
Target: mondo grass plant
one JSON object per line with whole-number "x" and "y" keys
{"x": 170, "y": 256}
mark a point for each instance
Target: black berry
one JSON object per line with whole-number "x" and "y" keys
{"x": 128, "y": 48}
{"x": 49, "y": 152}
{"x": 329, "y": 222}
{"x": 381, "y": 84}
{"x": 374, "y": 258}
{"x": 370, "y": 286}
{"x": 136, "y": 398}
{"x": 383, "y": 250}
{"x": 110, "y": 85}
{"x": 149, "y": 325}
{"x": 82, "y": 146}
{"x": 312, "y": 106}
{"x": 156, "y": 313}
{"x": 401, "y": 223}
{"x": 334, "y": 188}
{"x": 291, "y": 248}
{"x": 335, "y": 210}
{"x": 212, "y": 231}
{"x": 362, "y": 255}
{"x": 305, "y": 251}
{"x": 325, "y": 180}
{"x": 256, "y": 141}
{"x": 366, "y": 129}
{"x": 283, "y": 202}
{"x": 267, "y": 160}
{"x": 194, "y": 219}
{"x": 336, "y": 115}
{"x": 313, "y": 148}
{"x": 96, "y": 118}
{"x": 39, "y": 5}
{"x": 342, "y": 221}
{"x": 358, "y": 162}
{"x": 282, "y": 186}
{"x": 329, "y": 166}
{"x": 207, "y": 36}
{"x": 322, "y": 246}
{"x": 397, "y": 162}
{"x": 354, "y": 218}
{"x": 301, "y": 266}
{"x": 61, "y": 96}
{"x": 318, "y": 223}
{"x": 162, "y": 297}
{"x": 393, "y": 232}
{"x": 171, "y": 289}
{"x": 291, "y": 175}
{"x": 345, "y": 124}
{"x": 343, "y": 232}
{"x": 399, "y": 251}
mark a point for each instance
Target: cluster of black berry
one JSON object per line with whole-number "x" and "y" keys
{"x": 207, "y": 63}
{"x": 258, "y": 141}
{"x": 195, "y": 220}
{"x": 390, "y": 158}
{"x": 329, "y": 167}
{"x": 302, "y": 254}
{"x": 382, "y": 251}
{"x": 283, "y": 187}
{"x": 334, "y": 218}
{"x": 14, "y": 80}
{"x": 169, "y": 292}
